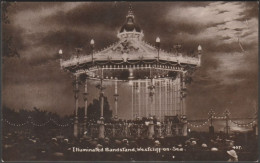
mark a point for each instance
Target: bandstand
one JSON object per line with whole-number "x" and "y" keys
{"x": 157, "y": 79}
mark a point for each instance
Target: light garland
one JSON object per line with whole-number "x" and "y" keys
{"x": 14, "y": 124}
{"x": 39, "y": 125}
{"x": 215, "y": 117}
{"x": 243, "y": 125}
{"x": 131, "y": 63}
{"x": 35, "y": 124}
{"x": 200, "y": 125}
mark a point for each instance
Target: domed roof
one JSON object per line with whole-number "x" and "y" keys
{"x": 129, "y": 27}
{"x": 130, "y": 24}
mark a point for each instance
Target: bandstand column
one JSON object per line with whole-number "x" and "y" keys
{"x": 116, "y": 99}
{"x": 151, "y": 129}
{"x": 165, "y": 98}
{"x": 168, "y": 130}
{"x": 86, "y": 105}
{"x": 151, "y": 124}
{"x": 146, "y": 98}
{"x": 101, "y": 125}
{"x": 160, "y": 100}
{"x": 183, "y": 94}
{"x": 174, "y": 94}
{"x": 132, "y": 100}
{"x": 171, "y": 99}
{"x": 76, "y": 91}
{"x": 102, "y": 104}
{"x": 139, "y": 98}
{"x": 185, "y": 126}
{"x": 152, "y": 97}
{"x": 135, "y": 100}
{"x": 178, "y": 95}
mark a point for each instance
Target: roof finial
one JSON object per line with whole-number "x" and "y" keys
{"x": 130, "y": 11}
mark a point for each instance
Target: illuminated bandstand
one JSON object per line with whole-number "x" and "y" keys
{"x": 157, "y": 77}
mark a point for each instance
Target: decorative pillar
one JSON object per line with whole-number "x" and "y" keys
{"x": 113, "y": 131}
{"x": 102, "y": 103}
{"x": 132, "y": 100}
{"x": 116, "y": 99}
{"x": 169, "y": 130}
{"x": 160, "y": 100}
{"x": 86, "y": 105}
{"x": 138, "y": 130}
{"x": 175, "y": 101}
{"x": 155, "y": 104}
{"x": 101, "y": 129}
{"x": 165, "y": 98}
{"x": 152, "y": 95}
{"x": 171, "y": 97}
{"x": 139, "y": 98}
{"x": 146, "y": 98}
{"x": 185, "y": 126}
{"x": 183, "y": 94}
{"x": 159, "y": 130}
{"x": 178, "y": 95}
{"x": 151, "y": 129}
{"x": 76, "y": 91}
{"x": 135, "y": 100}
{"x": 101, "y": 125}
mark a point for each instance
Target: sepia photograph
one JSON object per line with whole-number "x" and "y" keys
{"x": 129, "y": 81}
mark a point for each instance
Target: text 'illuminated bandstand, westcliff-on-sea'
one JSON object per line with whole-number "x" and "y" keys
{"x": 157, "y": 77}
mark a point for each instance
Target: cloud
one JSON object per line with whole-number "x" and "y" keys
{"x": 39, "y": 30}
{"x": 31, "y": 18}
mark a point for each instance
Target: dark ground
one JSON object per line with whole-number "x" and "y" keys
{"x": 26, "y": 146}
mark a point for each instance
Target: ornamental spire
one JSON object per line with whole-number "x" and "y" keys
{"x": 130, "y": 12}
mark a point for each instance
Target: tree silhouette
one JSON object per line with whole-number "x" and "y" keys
{"x": 94, "y": 110}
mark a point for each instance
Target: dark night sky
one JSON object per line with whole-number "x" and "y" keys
{"x": 226, "y": 79}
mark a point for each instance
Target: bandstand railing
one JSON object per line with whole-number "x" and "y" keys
{"x": 131, "y": 130}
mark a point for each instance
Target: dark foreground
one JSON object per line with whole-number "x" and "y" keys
{"x": 24, "y": 147}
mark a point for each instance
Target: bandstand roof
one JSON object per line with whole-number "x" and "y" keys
{"x": 130, "y": 50}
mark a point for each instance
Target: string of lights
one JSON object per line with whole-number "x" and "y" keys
{"x": 215, "y": 117}
{"x": 244, "y": 124}
{"x": 199, "y": 125}
{"x": 14, "y": 124}
{"x": 36, "y": 124}
{"x": 132, "y": 63}
{"x": 30, "y": 121}
{"x": 39, "y": 125}
{"x": 61, "y": 125}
